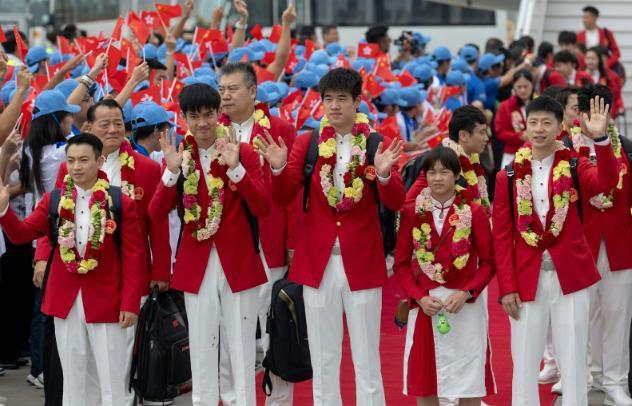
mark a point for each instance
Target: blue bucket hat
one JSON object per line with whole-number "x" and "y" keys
{"x": 488, "y": 60}
{"x": 150, "y": 51}
{"x": 422, "y": 39}
{"x": 334, "y": 49}
{"x": 52, "y": 101}
{"x": 149, "y": 114}
{"x": 34, "y": 57}
{"x": 204, "y": 71}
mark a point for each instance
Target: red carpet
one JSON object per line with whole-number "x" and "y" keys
{"x": 392, "y": 354}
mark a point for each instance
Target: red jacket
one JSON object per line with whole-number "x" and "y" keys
{"x": 613, "y": 225}
{"x": 155, "y": 231}
{"x": 115, "y": 285}
{"x": 358, "y": 229}
{"x": 474, "y": 277}
{"x": 518, "y": 264}
{"x": 607, "y": 41}
{"x": 504, "y": 124}
{"x": 241, "y": 263}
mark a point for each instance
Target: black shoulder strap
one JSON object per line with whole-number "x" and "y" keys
{"x": 253, "y": 223}
{"x": 310, "y": 164}
{"x": 575, "y": 177}
{"x": 626, "y": 146}
{"x": 568, "y": 143}
{"x": 546, "y": 78}
{"x": 372, "y": 143}
{"x": 510, "y": 190}
{"x": 117, "y": 211}
{"x": 53, "y": 221}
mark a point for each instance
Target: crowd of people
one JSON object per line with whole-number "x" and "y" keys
{"x": 129, "y": 163}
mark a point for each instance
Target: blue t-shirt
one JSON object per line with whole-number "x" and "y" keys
{"x": 491, "y": 90}
{"x": 475, "y": 89}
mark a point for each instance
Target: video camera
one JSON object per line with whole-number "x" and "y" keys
{"x": 407, "y": 36}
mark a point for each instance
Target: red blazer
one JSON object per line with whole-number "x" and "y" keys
{"x": 474, "y": 277}
{"x": 273, "y": 228}
{"x": 613, "y": 225}
{"x": 583, "y": 78}
{"x": 605, "y": 40}
{"x": 358, "y": 229}
{"x": 518, "y": 264}
{"x": 503, "y": 123}
{"x": 156, "y": 250}
{"x": 241, "y": 263}
{"x": 114, "y": 286}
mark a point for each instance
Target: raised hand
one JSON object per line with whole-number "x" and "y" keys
{"x": 170, "y": 42}
{"x": 173, "y": 153}
{"x": 188, "y": 7}
{"x": 13, "y": 143}
{"x": 230, "y": 153}
{"x": 23, "y": 79}
{"x": 242, "y": 9}
{"x": 385, "y": 159}
{"x": 597, "y": 123}
{"x": 141, "y": 72}
{"x": 100, "y": 63}
{"x": 289, "y": 15}
{"x": 273, "y": 152}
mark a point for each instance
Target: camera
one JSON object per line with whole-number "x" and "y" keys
{"x": 407, "y": 36}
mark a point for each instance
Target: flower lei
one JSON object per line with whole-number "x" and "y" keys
{"x": 602, "y": 201}
{"x": 473, "y": 173}
{"x": 126, "y": 159}
{"x": 461, "y": 219}
{"x": 208, "y": 224}
{"x": 262, "y": 123}
{"x": 354, "y": 185}
{"x": 66, "y": 234}
{"x": 563, "y": 194}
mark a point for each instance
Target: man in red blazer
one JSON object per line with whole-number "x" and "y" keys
{"x": 339, "y": 254}
{"x": 567, "y": 66}
{"x": 608, "y": 228}
{"x": 593, "y": 36}
{"x": 238, "y": 89}
{"x": 543, "y": 260}
{"x": 218, "y": 265}
{"x": 92, "y": 310}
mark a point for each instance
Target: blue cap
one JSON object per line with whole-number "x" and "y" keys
{"x": 274, "y": 111}
{"x": 6, "y": 91}
{"x": 67, "y": 86}
{"x": 190, "y": 80}
{"x": 410, "y": 66}
{"x": 390, "y": 96}
{"x": 427, "y": 60}
{"x": 460, "y": 65}
{"x": 208, "y": 80}
{"x": 238, "y": 53}
{"x": 265, "y": 45}
{"x": 204, "y": 71}
{"x": 411, "y": 96}
{"x": 34, "y": 56}
{"x": 488, "y": 60}
{"x": 283, "y": 89}
{"x": 334, "y": 49}
{"x": 442, "y": 53}
{"x": 312, "y": 123}
{"x": 306, "y": 79}
{"x": 52, "y": 101}
{"x": 268, "y": 92}
{"x": 300, "y": 64}
{"x": 359, "y": 63}
{"x": 423, "y": 73}
{"x": 128, "y": 111}
{"x": 364, "y": 108}
{"x": 469, "y": 53}
{"x": 80, "y": 70}
{"x": 54, "y": 58}
{"x": 320, "y": 57}
{"x": 149, "y": 114}
{"x": 320, "y": 70}
{"x": 422, "y": 39}
{"x": 299, "y": 50}
{"x": 455, "y": 78}
{"x": 150, "y": 51}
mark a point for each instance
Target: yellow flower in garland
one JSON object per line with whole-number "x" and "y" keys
{"x": 563, "y": 168}
{"x": 560, "y": 201}
{"x": 362, "y": 118}
{"x": 416, "y": 233}
{"x": 522, "y": 155}
{"x": 524, "y": 207}
{"x": 470, "y": 177}
{"x": 67, "y": 255}
{"x": 327, "y": 149}
{"x": 425, "y": 228}
{"x": 261, "y": 119}
{"x": 67, "y": 204}
{"x": 215, "y": 183}
{"x": 190, "y": 183}
{"x": 189, "y": 216}
{"x": 89, "y": 264}
{"x": 530, "y": 237}
{"x": 461, "y": 261}
{"x": 126, "y": 159}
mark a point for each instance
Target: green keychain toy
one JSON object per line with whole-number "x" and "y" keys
{"x": 442, "y": 324}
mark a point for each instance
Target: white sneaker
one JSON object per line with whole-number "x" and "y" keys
{"x": 616, "y": 396}
{"x": 557, "y": 388}
{"x": 548, "y": 374}
{"x": 35, "y": 381}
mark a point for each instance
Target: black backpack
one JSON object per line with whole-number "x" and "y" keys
{"x": 388, "y": 218}
{"x": 161, "y": 364}
{"x": 288, "y": 356}
{"x": 410, "y": 172}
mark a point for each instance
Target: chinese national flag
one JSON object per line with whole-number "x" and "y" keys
{"x": 275, "y": 35}
{"x": 309, "y": 48}
{"x": 310, "y": 102}
{"x": 449, "y": 92}
{"x": 27, "y": 112}
{"x": 229, "y": 33}
{"x": 22, "y": 48}
{"x": 151, "y": 94}
{"x": 383, "y": 69}
{"x": 138, "y": 28}
{"x": 373, "y": 87}
{"x": 53, "y": 69}
{"x": 39, "y": 82}
{"x": 268, "y": 58}
{"x": 9, "y": 75}
{"x": 3, "y": 38}
{"x": 342, "y": 62}
{"x": 133, "y": 61}
{"x": 389, "y": 127}
{"x": 114, "y": 57}
{"x": 117, "y": 79}
{"x": 366, "y": 50}
{"x": 256, "y": 32}
{"x": 263, "y": 75}
{"x": 436, "y": 140}
{"x": 151, "y": 19}
{"x": 428, "y": 117}
{"x": 177, "y": 87}
{"x": 406, "y": 79}
{"x": 118, "y": 29}
{"x": 168, "y": 11}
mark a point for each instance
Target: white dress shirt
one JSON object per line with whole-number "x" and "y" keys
{"x": 541, "y": 170}
{"x": 592, "y": 38}
{"x": 244, "y": 130}
{"x": 343, "y": 156}
{"x": 82, "y": 219}
{"x": 112, "y": 168}
{"x": 440, "y": 212}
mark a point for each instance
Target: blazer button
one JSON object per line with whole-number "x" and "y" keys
{"x": 338, "y": 223}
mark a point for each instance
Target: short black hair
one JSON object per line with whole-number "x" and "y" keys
{"x": 590, "y": 91}
{"x": 591, "y": 9}
{"x": 528, "y": 42}
{"x": 10, "y": 45}
{"x": 89, "y": 139}
{"x": 552, "y": 91}
{"x": 545, "y": 49}
{"x": 375, "y": 33}
{"x": 155, "y": 64}
{"x": 465, "y": 118}
{"x": 564, "y": 94}
{"x": 144, "y": 132}
{"x": 246, "y": 69}
{"x": 327, "y": 28}
{"x": 197, "y": 96}
{"x": 109, "y": 103}
{"x": 523, "y": 73}
{"x": 567, "y": 37}
{"x": 446, "y": 156}
{"x": 343, "y": 80}
{"x": 565, "y": 57}
{"x": 548, "y": 104}
{"x": 493, "y": 45}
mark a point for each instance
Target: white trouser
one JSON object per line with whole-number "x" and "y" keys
{"x": 78, "y": 341}
{"x": 282, "y": 391}
{"x": 323, "y": 311}
{"x": 549, "y": 357}
{"x": 569, "y": 325}
{"x": 213, "y": 305}
{"x": 610, "y": 315}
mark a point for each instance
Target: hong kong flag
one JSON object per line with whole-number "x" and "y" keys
{"x": 151, "y": 94}
{"x": 366, "y": 50}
